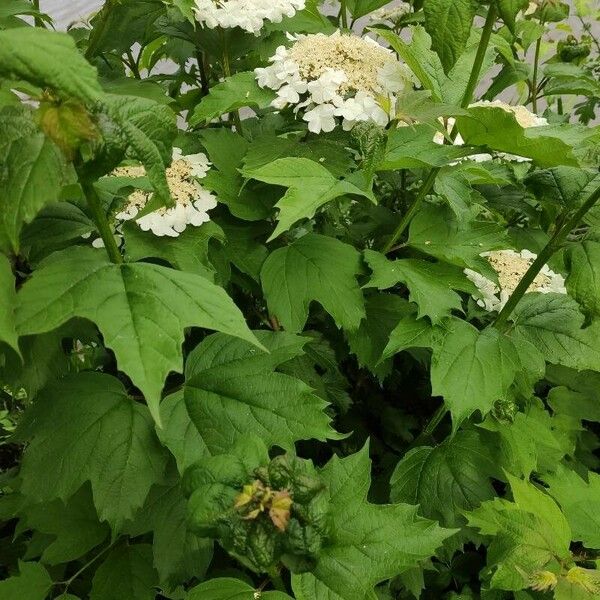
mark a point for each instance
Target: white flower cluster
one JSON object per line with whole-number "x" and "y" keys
{"x": 337, "y": 75}
{"x": 524, "y": 117}
{"x": 389, "y": 14}
{"x": 250, "y": 15}
{"x": 192, "y": 200}
{"x": 510, "y": 267}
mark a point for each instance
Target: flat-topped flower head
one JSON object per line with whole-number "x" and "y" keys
{"x": 249, "y": 15}
{"x": 511, "y": 266}
{"x": 192, "y": 200}
{"x": 337, "y": 75}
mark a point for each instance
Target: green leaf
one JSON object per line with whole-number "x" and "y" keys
{"x": 419, "y": 57}
{"x": 553, "y": 324}
{"x": 187, "y": 252}
{"x": 226, "y": 150}
{"x": 231, "y": 391}
{"x": 48, "y": 59}
{"x": 117, "y": 26}
{"x": 471, "y": 369}
{"x": 580, "y": 501}
{"x": 360, "y": 8}
{"x": 368, "y": 543}
{"x": 414, "y": 148}
{"x": 178, "y": 554}
{"x": 126, "y": 574}
{"x": 383, "y": 313}
{"x": 446, "y": 480}
{"x": 583, "y": 282}
{"x": 140, "y": 308}
{"x": 235, "y": 92}
{"x": 33, "y": 173}
{"x": 74, "y": 525}
{"x": 578, "y": 394}
{"x": 32, "y": 582}
{"x": 330, "y": 154}
{"x": 226, "y": 588}
{"x": 453, "y": 185}
{"x": 547, "y": 146}
{"x": 533, "y": 441}
{"x": 509, "y": 9}
{"x": 148, "y": 130}
{"x": 53, "y": 228}
{"x": 431, "y": 284}
{"x": 315, "y": 267}
{"x": 437, "y": 233}
{"x": 526, "y": 534}
{"x": 309, "y": 184}
{"x": 448, "y": 22}
{"x": 179, "y": 434}
{"x": 559, "y": 185}
{"x": 69, "y": 446}
{"x": 8, "y": 301}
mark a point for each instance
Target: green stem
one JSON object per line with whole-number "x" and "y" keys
{"x": 133, "y": 65}
{"x": 481, "y": 50}
{"x": 88, "y": 564}
{"x": 534, "y": 85}
{"x": 436, "y": 419}
{"x": 410, "y": 213}
{"x": 227, "y": 73}
{"x": 343, "y": 14}
{"x": 102, "y": 222}
{"x": 544, "y": 256}
{"x": 276, "y": 580}
{"x": 200, "y": 57}
{"x": 466, "y": 100}
{"x": 38, "y": 22}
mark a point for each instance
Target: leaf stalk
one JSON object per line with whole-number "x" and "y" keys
{"x": 102, "y": 223}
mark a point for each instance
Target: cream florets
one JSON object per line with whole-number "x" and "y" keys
{"x": 249, "y": 15}
{"x": 510, "y": 267}
{"x": 192, "y": 200}
{"x": 335, "y": 76}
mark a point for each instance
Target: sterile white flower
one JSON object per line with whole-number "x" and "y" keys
{"x": 320, "y": 118}
{"x": 510, "y": 267}
{"x": 192, "y": 201}
{"x": 337, "y": 75}
{"x": 249, "y": 15}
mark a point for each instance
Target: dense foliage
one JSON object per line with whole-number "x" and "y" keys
{"x": 292, "y": 305}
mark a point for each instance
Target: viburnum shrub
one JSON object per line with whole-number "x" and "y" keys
{"x": 300, "y": 299}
